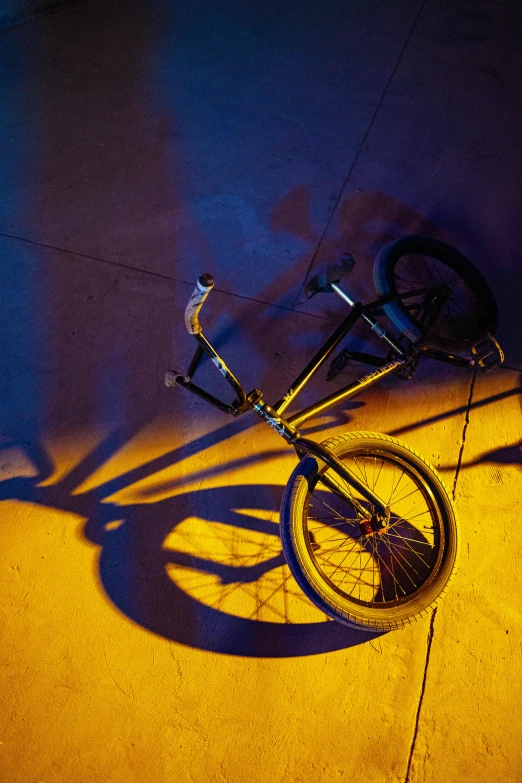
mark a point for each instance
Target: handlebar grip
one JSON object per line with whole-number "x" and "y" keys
{"x": 195, "y": 303}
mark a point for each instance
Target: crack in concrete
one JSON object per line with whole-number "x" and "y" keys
{"x": 464, "y": 432}
{"x": 421, "y": 698}
{"x": 432, "y": 622}
{"x": 113, "y": 679}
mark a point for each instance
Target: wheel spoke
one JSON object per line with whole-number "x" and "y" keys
{"x": 459, "y": 319}
{"x": 378, "y": 567}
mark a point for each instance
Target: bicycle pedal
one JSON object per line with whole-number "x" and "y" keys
{"x": 171, "y": 378}
{"x": 487, "y": 353}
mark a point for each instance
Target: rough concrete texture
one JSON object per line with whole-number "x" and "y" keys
{"x": 13, "y": 12}
{"x": 150, "y": 627}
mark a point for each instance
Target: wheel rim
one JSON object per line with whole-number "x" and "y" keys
{"x": 385, "y": 568}
{"x": 461, "y": 317}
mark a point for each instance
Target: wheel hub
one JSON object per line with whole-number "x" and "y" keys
{"x": 374, "y": 525}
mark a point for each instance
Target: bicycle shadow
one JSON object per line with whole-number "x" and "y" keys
{"x": 206, "y": 569}
{"x": 222, "y": 584}
{"x": 202, "y": 568}
{"x": 461, "y": 410}
{"x": 506, "y": 455}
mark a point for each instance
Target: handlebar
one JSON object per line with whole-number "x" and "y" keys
{"x": 204, "y": 286}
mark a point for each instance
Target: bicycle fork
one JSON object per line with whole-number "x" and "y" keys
{"x": 306, "y": 446}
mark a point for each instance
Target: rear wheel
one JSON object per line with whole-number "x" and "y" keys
{"x": 413, "y": 262}
{"x": 356, "y": 570}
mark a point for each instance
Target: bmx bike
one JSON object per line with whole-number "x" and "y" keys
{"x": 367, "y": 527}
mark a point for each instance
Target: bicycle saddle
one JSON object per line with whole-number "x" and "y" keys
{"x": 333, "y": 273}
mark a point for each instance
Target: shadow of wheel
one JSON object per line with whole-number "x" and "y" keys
{"x": 205, "y": 569}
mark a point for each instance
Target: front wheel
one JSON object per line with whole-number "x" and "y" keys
{"x": 361, "y": 571}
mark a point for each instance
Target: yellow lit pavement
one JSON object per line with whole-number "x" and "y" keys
{"x": 150, "y": 628}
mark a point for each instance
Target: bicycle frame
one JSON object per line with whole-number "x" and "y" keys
{"x": 384, "y": 366}
{"x": 286, "y": 427}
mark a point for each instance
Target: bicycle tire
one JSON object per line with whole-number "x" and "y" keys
{"x": 470, "y": 312}
{"x": 421, "y": 550}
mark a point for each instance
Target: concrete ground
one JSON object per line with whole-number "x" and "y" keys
{"x": 150, "y": 628}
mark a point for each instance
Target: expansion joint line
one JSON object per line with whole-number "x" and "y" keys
{"x": 421, "y": 699}
{"x": 432, "y": 623}
{"x": 360, "y": 149}
{"x": 464, "y": 432}
{"x": 78, "y": 255}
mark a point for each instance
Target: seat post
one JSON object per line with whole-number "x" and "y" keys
{"x": 376, "y": 327}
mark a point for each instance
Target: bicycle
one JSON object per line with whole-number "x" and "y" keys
{"x": 368, "y": 529}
